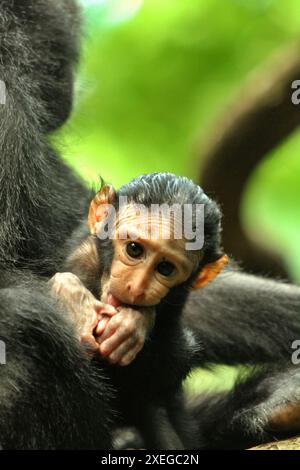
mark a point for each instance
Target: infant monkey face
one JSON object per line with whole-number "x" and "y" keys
{"x": 150, "y": 255}
{"x": 144, "y": 269}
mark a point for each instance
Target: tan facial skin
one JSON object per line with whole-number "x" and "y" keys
{"x": 145, "y": 269}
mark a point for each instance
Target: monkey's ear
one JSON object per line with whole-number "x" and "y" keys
{"x": 209, "y": 272}
{"x": 99, "y": 206}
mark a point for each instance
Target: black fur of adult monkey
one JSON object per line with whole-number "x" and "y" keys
{"x": 39, "y": 43}
{"x": 50, "y": 395}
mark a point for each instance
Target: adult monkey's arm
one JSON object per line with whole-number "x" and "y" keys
{"x": 244, "y": 319}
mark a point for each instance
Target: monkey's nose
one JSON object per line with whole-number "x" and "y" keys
{"x": 136, "y": 292}
{"x": 134, "y": 288}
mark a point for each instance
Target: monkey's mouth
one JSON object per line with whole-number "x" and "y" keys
{"x": 113, "y": 301}
{"x": 116, "y": 303}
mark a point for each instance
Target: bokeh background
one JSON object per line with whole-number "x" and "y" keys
{"x": 158, "y": 82}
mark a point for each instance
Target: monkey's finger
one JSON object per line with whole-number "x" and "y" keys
{"x": 112, "y": 343}
{"x": 120, "y": 335}
{"x": 101, "y": 326}
{"x": 105, "y": 346}
{"x": 105, "y": 309}
{"x": 90, "y": 322}
{"x": 129, "y": 357}
{"x": 132, "y": 353}
{"x": 126, "y": 347}
{"x": 89, "y": 343}
{"x": 112, "y": 325}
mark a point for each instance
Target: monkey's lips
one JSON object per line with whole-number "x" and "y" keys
{"x": 113, "y": 301}
{"x": 117, "y": 303}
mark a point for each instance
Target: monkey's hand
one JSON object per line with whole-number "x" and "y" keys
{"x": 83, "y": 308}
{"x": 123, "y": 336}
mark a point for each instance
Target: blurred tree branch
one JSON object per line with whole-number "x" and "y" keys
{"x": 287, "y": 444}
{"x": 261, "y": 117}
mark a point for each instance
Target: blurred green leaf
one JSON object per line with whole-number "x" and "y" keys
{"x": 155, "y": 76}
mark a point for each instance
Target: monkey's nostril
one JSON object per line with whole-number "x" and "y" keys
{"x": 135, "y": 292}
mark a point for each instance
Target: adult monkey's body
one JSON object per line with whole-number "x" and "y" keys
{"x": 64, "y": 406}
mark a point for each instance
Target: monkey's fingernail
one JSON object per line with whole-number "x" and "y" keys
{"x": 101, "y": 326}
{"x": 110, "y": 309}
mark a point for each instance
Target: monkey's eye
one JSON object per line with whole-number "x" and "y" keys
{"x": 165, "y": 268}
{"x": 134, "y": 250}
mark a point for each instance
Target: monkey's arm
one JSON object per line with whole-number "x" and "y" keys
{"x": 240, "y": 318}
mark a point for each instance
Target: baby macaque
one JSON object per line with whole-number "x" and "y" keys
{"x": 148, "y": 245}
{"x": 141, "y": 274}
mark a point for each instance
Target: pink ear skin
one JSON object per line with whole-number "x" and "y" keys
{"x": 209, "y": 272}
{"x": 99, "y": 206}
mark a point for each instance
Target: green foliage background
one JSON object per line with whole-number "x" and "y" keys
{"x": 154, "y": 77}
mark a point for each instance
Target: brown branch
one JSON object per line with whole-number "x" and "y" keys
{"x": 287, "y": 444}
{"x": 261, "y": 118}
